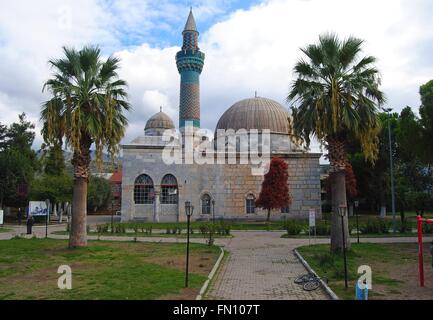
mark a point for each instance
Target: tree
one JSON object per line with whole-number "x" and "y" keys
{"x": 54, "y": 188}
{"x": 87, "y": 108}
{"x": 275, "y": 190}
{"x": 336, "y": 98}
{"x": 426, "y": 121}
{"x": 351, "y": 182}
{"x": 53, "y": 160}
{"x": 99, "y": 193}
{"x": 18, "y": 162}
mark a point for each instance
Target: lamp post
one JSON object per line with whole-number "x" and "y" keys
{"x": 391, "y": 164}
{"x": 47, "y": 202}
{"x": 189, "y": 210}
{"x": 213, "y": 211}
{"x": 112, "y": 216}
{"x": 211, "y": 230}
{"x": 342, "y": 210}
{"x": 356, "y": 203}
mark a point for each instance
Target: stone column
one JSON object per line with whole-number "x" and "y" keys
{"x": 156, "y": 206}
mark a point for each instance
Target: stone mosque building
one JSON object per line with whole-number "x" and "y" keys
{"x": 156, "y": 191}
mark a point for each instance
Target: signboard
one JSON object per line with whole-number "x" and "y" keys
{"x": 312, "y": 218}
{"x": 1, "y": 217}
{"x": 38, "y": 208}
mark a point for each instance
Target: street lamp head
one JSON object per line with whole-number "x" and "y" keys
{"x": 387, "y": 109}
{"x": 188, "y": 209}
{"x": 342, "y": 210}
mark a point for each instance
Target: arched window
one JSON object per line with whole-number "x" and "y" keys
{"x": 206, "y": 204}
{"x": 144, "y": 192}
{"x": 250, "y": 204}
{"x": 169, "y": 194}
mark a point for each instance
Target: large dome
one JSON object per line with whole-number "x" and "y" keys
{"x": 158, "y": 123}
{"x": 256, "y": 113}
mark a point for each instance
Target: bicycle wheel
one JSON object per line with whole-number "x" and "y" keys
{"x": 311, "y": 285}
{"x": 303, "y": 279}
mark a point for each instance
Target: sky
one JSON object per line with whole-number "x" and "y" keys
{"x": 249, "y": 45}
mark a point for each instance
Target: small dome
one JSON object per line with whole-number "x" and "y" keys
{"x": 256, "y": 113}
{"x": 158, "y": 123}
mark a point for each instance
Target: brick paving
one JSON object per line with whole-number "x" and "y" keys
{"x": 260, "y": 266}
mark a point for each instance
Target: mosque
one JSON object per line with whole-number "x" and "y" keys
{"x": 155, "y": 190}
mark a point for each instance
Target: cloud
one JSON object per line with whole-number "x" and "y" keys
{"x": 249, "y": 49}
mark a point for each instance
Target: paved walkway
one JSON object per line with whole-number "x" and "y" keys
{"x": 260, "y": 266}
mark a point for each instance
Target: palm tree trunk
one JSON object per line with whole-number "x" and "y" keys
{"x": 81, "y": 163}
{"x": 337, "y": 158}
{"x": 78, "y": 234}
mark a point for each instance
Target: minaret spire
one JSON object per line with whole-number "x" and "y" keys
{"x": 190, "y": 62}
{"x": 190, "y": 23}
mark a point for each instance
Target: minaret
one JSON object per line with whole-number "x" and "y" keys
{"x": 190, "y": 63}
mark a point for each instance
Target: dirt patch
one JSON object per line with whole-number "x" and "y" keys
{"x": 402, "y": 275}
{"x": 200, "y": 264}
{"x": 185, "y": 294}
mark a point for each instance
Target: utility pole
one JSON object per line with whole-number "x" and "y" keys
{"x": 391, "y": 164}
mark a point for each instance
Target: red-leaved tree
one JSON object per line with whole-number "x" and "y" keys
{"x": 275, "y": 190}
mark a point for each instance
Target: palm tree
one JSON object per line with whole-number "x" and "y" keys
{"x": 335, "y": 98}
{"x": 86, "y": 108}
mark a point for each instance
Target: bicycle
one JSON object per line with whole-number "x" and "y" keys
{"x": 309, "y": 282}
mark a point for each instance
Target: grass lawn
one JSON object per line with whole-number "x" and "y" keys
{"x": 103, "y": 270}
{"x": 394, "y": 269}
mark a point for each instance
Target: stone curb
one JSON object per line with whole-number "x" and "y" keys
{"x": 210, "y": 276}
{"x": 328, "y": 290}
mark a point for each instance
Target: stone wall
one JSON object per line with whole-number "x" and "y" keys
{"x": 227, "y": 184}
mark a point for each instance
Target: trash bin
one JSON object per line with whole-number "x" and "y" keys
{"x": 361, "y": 294}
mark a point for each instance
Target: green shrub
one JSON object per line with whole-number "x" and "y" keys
{"x": 323, "y": 228}
{"x": 375, "y": 225}
{"x": 427, "y": 228}
{"x": 204, "y": 229}
{"x": 102, "y": 228}
{"x": 119, "y": 228}
{"x": 225, "y": 228}
{"x": 404, "y": 227}
{"x": 292, "y": 227}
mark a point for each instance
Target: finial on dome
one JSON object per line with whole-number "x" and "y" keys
{"x": 160, "y": 109}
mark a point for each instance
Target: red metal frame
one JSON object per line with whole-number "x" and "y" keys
{"x": 420, "y": 220}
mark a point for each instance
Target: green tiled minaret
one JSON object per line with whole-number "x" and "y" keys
{"x": 190, "y": 61}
